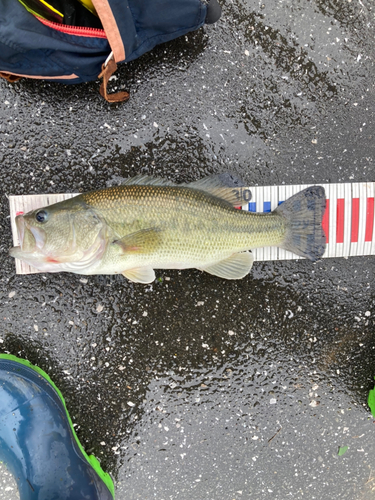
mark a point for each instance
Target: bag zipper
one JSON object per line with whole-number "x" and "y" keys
{"x": 74, "y": 30}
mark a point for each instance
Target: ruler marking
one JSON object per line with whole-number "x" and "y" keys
{"x": 274, "y": 251}
{"x": 340, "y": 220}
{"x": 348, "y": 219}
{"x": 325, "y": 221}
{"x": 362, "y": 217}
{"x": 281, "y": 198}
{"x": 355, "y": 220}
{"x": 369, "y": 225}
{"x": 369, "y": 219}
{"x": 340, "y": 217}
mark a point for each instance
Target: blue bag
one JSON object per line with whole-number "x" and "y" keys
{"x": 76, "y": 50}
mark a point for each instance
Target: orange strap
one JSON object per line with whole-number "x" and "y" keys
{"x": 9, "y": 77}
{"x": 106, "y": 73}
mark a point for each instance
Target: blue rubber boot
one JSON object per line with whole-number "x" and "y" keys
{"x": 38, "y": 443}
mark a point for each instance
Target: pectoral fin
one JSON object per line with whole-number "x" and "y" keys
{"x": 140, "y": 275}
{"x": 233, "y": 268}
{"x": 143, "y": 241}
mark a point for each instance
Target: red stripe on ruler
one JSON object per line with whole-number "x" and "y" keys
{"x": 340, "y": 220}
{"x": 355, "y": 220}
{"x": 325, "y": 221}
{"x": 369, "y": 219}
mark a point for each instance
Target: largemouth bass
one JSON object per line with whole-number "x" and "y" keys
{"x": 149, "y": 223}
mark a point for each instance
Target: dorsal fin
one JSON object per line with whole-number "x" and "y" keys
{"x": 147, "y": 180}
{"x": 225, "y": 186}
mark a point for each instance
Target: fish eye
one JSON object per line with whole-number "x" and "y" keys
{"x": 41, "y": 216}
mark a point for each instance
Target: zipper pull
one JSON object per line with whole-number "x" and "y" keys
{"x": 108, "y": 68}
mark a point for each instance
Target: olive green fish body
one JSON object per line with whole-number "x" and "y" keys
{"x": 135, "y": 228}
{"x": 191, "y": 228}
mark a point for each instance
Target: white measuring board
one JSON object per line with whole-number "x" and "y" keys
{"x": 349, "y": 220}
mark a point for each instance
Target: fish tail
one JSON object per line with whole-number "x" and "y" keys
{"x": 304, "y": 212}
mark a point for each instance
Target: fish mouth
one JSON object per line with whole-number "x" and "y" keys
{"x": 30, "y": 237}
{"x": 20, "y": 224}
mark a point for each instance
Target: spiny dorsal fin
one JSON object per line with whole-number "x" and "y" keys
{"x": 147, "y": 180}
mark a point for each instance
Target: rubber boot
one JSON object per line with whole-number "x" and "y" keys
{"x": 38, "y": 443}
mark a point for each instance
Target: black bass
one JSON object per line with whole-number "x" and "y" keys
{"x": 148, "y": 224}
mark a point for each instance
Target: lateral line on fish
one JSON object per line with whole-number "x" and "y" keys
{"x": 349, "y": 221}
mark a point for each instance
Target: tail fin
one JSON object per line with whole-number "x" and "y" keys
{"x": 304, "y": 212}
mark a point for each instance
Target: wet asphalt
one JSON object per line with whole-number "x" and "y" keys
{"x": 195, "y": 387}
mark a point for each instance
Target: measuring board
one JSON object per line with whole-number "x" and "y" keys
{"x": 348, "y": 220}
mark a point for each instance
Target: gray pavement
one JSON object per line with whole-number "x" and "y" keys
{"x": 195, "y": 387}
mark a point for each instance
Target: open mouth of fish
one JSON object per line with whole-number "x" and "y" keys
{"x": 29, "y": 237}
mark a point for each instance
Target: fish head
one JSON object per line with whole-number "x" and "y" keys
{"x": 52, "y": 237}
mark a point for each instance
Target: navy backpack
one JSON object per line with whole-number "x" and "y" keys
{"x": 74, "y": 41}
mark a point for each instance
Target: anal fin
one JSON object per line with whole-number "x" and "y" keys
{"x": 233, "y": 268}
{"x": 140, "y": 275}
